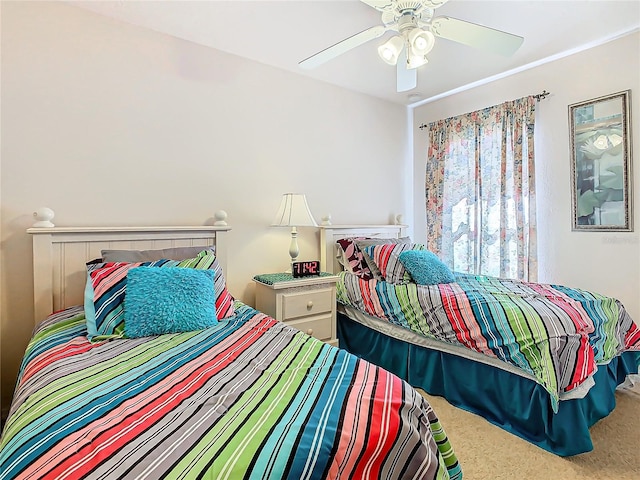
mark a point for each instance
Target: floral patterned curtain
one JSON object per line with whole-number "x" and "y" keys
{"x": 480, "y": 191}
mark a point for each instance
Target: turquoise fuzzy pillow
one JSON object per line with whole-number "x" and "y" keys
{"x": 168, "y": 300}
{"x": 425, "y": 267}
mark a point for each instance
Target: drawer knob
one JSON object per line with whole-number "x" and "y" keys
{"x": 309, "y": 305}
{"x": 310, "y": 331}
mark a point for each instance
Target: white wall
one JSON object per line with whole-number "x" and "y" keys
{"x": 604, "y": 262}
{"x": 111, "y": 124}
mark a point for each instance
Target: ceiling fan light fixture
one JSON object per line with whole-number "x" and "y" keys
{"x": 390, "y": 50}
{"x": 415, "y": 30}
{"x": 421, "y": 41}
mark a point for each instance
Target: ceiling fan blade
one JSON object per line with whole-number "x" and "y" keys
{"x": 434, "y": 3}
{"x": 406, "y": 78}
{"x": 380, "y": 5}
{"x": 343, "y": 46}
{"x": 477, "y": 36}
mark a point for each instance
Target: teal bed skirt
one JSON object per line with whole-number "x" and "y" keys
{"x": 516, "y": 404}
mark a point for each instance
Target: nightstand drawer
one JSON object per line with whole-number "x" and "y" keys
{"x": 318, "y": 326}
{"x": 305, "y": 303}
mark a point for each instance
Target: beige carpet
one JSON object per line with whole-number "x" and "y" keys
{"x": 487, "y": 452}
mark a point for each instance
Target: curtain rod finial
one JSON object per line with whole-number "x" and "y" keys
{"x": 541, "y": 96}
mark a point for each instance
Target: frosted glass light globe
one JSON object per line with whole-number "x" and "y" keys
{"x": 420, "y": 43}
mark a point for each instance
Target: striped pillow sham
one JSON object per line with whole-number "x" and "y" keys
{"x": 106, "y": 287}
{"x": 354, "y": 260}
{"x": 361, "y": 244}
{"x": 385, "y": 257}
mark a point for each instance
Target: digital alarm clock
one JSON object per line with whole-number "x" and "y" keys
{"x": 305, "y": 269}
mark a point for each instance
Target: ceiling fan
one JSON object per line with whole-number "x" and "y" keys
{"x": 416, "y": 29}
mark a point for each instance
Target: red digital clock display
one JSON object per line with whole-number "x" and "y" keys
{"x": 305, "y": 269}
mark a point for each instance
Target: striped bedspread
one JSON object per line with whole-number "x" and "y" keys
{"x": 557, "y": 334}
{"x": 249, "y": 398}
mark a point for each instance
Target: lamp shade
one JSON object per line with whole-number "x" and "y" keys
{"x": 294, "y": 212}
{"x": 390, "y": 50}
{"x": 421, "y": 41}
{"x": 415, "y": 61}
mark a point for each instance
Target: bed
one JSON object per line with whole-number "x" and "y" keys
{"x": 553, "y": 407}
{"x": 244, "y": 396}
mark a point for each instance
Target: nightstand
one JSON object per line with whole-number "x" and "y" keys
{"x": 307, "y": 303}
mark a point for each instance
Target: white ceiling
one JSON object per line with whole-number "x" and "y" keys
{"x": 281, "y": 33}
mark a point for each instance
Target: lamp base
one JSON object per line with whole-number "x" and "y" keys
{"x": 294, "y": 251}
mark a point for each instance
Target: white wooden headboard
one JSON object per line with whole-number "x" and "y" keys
{"x": 329, "y": 234}
{"x": 60, "y": 255}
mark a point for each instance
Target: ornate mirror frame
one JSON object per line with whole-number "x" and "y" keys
{"x": 601, "y": 178}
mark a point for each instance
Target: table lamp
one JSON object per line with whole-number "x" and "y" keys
{"x": 294, "y": 212}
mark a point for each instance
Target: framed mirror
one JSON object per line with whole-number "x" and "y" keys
{"x": 601, "y": 163}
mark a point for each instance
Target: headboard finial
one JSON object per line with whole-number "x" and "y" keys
{"x": 221, "y": 218}
{"x": 43, "y": 215}
{"x": 326, "y": 220}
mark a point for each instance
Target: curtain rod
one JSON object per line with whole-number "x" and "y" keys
{"x": 538, "y": 97}
{"x": 541, "y": 96}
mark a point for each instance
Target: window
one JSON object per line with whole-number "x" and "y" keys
{"x": 480, "y": 191}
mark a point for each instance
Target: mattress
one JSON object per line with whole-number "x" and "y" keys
{"x": 248, "y": 398}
